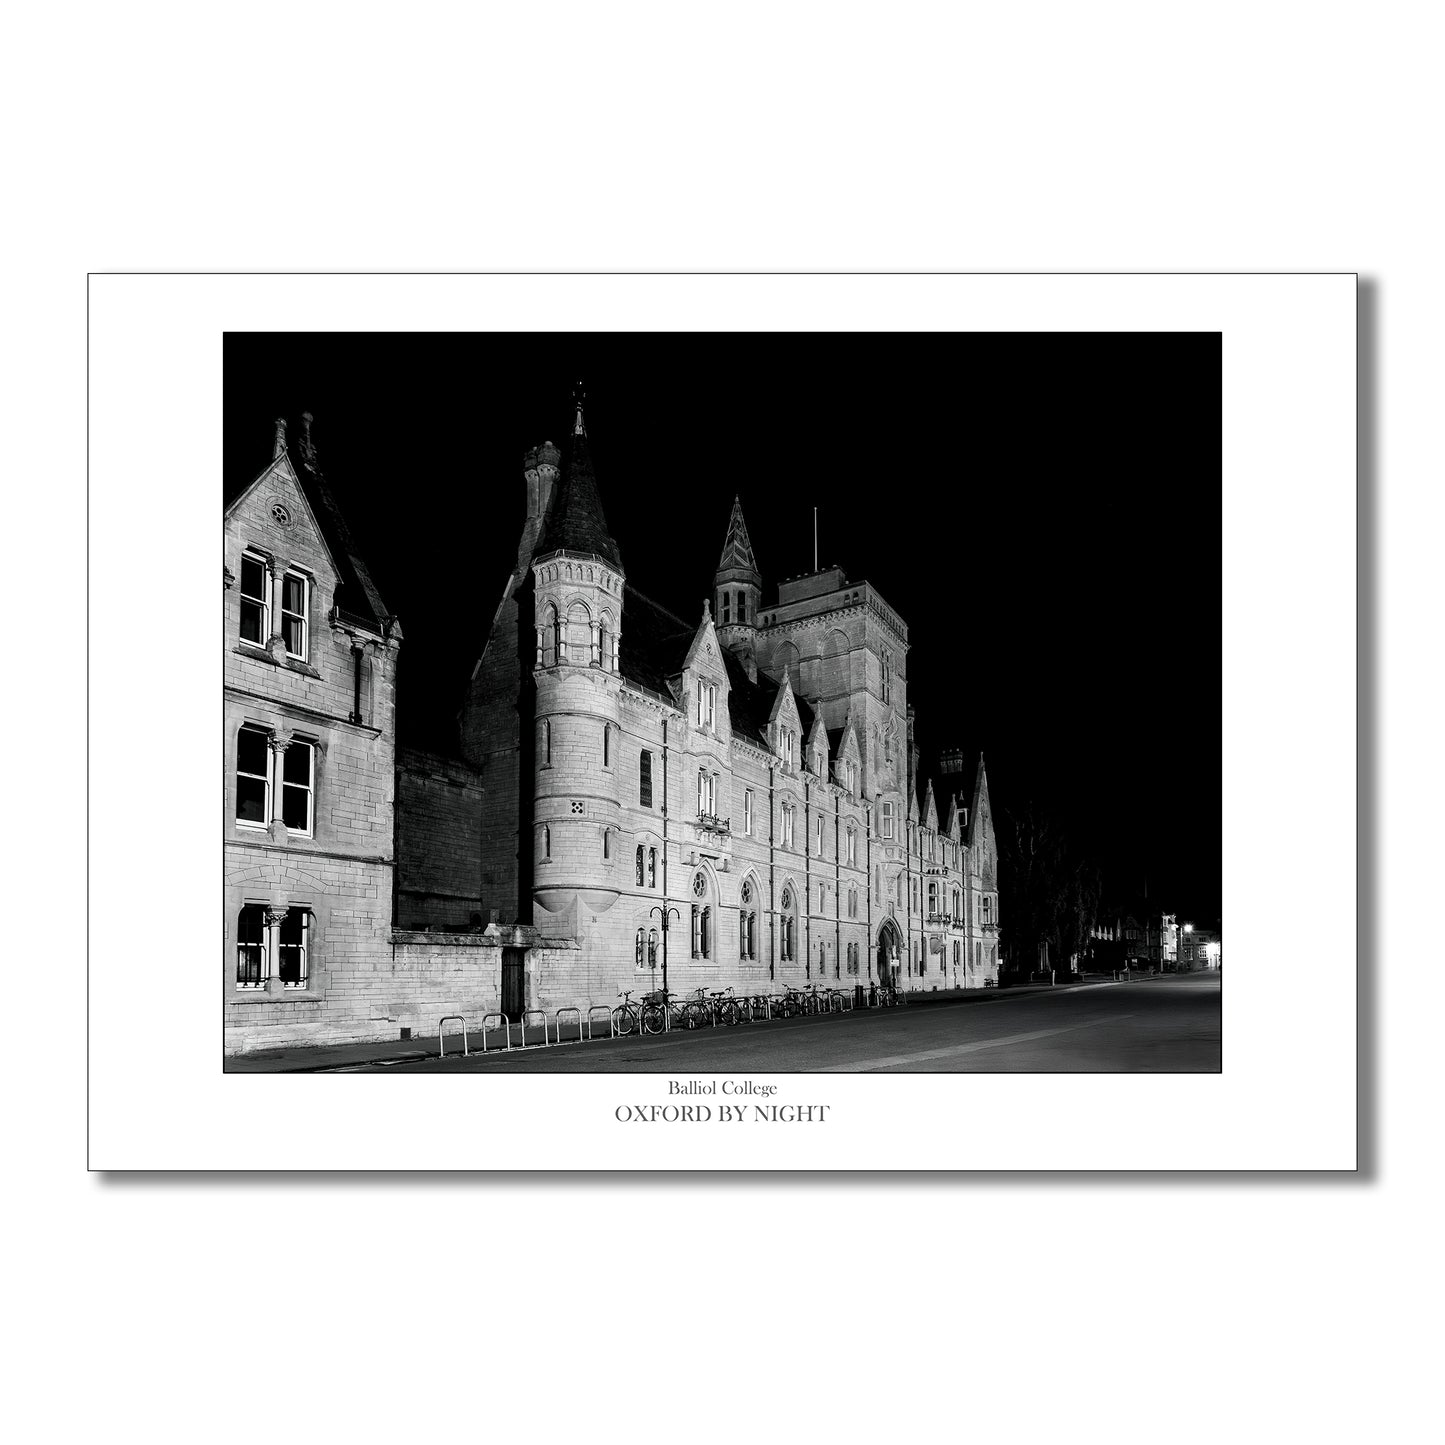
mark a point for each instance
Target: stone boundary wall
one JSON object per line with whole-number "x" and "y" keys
{"x": 438, "y": 840}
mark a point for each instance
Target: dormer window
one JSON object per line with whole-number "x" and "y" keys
{"x": 707, "y": 704}
{"x": 295, "y": 599}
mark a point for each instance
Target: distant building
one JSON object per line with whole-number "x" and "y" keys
{"x": 1134, "y": 937}
{"x": 1199, "y": 948}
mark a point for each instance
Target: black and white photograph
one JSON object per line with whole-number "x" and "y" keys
{"x": 657, "y": 655}
{"x": 722, "y": 705}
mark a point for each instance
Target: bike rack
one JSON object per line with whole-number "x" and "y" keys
{"x": 534, "y": 1013}
{"x": 442, "y": 1038}
{"x": 497, "y": 1020}
{"x": 577, "y": 1012}
{"x": 591, "y": 1018}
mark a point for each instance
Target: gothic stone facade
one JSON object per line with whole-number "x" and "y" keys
{"x": 735, "y": 799}
{"x": 310, "y": 668}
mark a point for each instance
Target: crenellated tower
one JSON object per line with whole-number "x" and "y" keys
{"x": 577, "y": 598}
{"x": 738, "y": 593}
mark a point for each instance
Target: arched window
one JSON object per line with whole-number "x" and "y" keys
{"x": 551, "y": 636}
{"x": 785, "y": 925}
{"x": 644, "y": 786}
{"x": 652, "y": 949}
{"x": 579, "y": 634}
{"x": 606, "y": 843}
{"x": 546, "y": 748}
{"x": 639, "y": 865}
{"x": 639, "y": 948}
{"x": 606, "y": 745}
{"x": 701, "y": 917}
{"x": 852, "y": 845}
{"x": 546, "y": 842}
{"x": 652, "y": 867}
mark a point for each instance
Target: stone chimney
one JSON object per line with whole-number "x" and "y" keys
{"x": 279, "y": 446}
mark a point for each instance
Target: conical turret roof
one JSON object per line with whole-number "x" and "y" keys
{"x": 575, "y": 521}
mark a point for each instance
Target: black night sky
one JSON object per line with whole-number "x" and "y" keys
{"x": 1042, "y": 510}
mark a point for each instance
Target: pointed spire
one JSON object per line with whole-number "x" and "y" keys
{"x": 579, "y": 426}
{"x": 737, "y": 552}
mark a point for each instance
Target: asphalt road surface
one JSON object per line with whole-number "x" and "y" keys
{"x": 1162, "y": 1025}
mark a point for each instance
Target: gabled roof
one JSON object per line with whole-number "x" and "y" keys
{"x": 980, "y": 793}
{"x": 750, "y": 703}
{"x": 356, "y": 596}
{"x": 928, "y": 808}
{"x": 653, "y": 643}
{"x": 575, "y": 522}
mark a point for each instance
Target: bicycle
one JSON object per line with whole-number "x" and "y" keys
{"x": 654, "y": 1012}
{"x": 697, "y": 1013}
{"x": 792, "y": 1002}
{"x": 725, "y": 1008}
{"x": 626, "y": 1016}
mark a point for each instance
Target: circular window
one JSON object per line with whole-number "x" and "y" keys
{"x": 787, "y": 899}
{"x": 747, "y": 892}
{"x": 282, "y": 513}
{"x": 699, "y": 885}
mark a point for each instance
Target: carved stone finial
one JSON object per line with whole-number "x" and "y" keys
{"x": 280, "y": 443}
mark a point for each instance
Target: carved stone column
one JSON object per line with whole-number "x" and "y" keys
{"x": 278, "y": 743}
{"x": 274, "y": 918}
{"x": 276, "y": 643}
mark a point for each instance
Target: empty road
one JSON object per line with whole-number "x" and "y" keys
{"x": 1163, "y": 1025}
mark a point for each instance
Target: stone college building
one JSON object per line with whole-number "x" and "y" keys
{"x": 734, "y": 801}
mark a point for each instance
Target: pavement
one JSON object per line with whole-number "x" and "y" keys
{"x": 1039, "y": 1028}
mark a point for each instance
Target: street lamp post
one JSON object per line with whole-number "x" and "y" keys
{"x": 664, "y": 913}
{"x": 1178, "y": 963}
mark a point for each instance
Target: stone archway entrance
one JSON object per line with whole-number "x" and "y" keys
{"x": 889, "y": 952}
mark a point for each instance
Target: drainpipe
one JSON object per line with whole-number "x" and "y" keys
{"x": 868, "y": 881}
{"x": 665, "y": 993}
{"x": 807, "y": 881}
{"x": 772, "y": 885}
{"x": 837, "y": 888}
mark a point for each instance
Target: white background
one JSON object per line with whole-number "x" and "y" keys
{"x": 1033, "y": 137}
{"x": 1286, "y": 1096}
